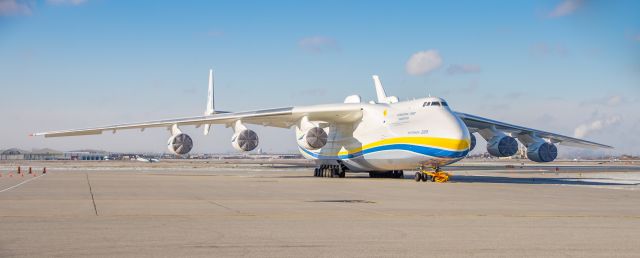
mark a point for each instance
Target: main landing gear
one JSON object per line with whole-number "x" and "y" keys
{"x": 388, "y": 174}
{"x": 329, "y": 171}
{"x": 436, "y": 176}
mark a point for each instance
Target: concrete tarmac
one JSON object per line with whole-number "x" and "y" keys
{"x": 177, "y": 209}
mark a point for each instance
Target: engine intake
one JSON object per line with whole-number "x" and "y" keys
{"x": 542, "y": 152}
{"x": 315, "y": 138}
{"x": 502, "y": 146}
{"x": 245, "y": 140}
{"x": 180, "y": 144}
{"x": 472, "y": 144}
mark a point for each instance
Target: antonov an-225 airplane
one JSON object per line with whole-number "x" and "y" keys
{"x": 383, "y": 137}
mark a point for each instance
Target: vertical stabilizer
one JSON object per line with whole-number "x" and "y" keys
{"x": 210, "y": 104}
{"x": 382, "y": 96}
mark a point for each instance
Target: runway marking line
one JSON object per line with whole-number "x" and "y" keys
{"x": 21, "y": 183}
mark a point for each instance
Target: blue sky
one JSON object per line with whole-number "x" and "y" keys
{"x": 567, "y": 66}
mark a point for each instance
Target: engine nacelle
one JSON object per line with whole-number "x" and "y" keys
{"x": 542, "y": 152}
{"x": 502, "y": 146}
{"x": 472, "y": 143}
{"x": 180, "y": 144}
{"x": 245, "y": 140}
{"x": 315, "y": 138}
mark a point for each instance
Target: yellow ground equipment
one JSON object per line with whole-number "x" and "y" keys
{"x": 436, "y": 176}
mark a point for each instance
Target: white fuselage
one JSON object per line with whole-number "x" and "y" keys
{"x": 398, "y": 136}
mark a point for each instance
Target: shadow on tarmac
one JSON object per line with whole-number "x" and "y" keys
{"x": 534, "y": 180}
{"x": 587, "y": 181}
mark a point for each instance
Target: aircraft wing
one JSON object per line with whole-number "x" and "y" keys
{"x": 476, "y": 123}
{"x": 276, "y": 117}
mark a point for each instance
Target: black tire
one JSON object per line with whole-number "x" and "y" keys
{"x": 418, "y": 177}
{"x": 425, "y": 178}
{"x": 343, "y": 174}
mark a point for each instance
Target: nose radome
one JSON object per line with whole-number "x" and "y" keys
{"x": 457, "y": 129}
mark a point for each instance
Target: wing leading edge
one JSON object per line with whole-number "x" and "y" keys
{"x": 480, "y": 123}
{"x": 276, "y": 117}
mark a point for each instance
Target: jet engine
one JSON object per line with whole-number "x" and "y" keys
{"x": 180, "y": 144}
{"x": 542, "y": 152}
{"x": 472, "y": 143}
{"x": 245, "y": 140}
{"x": 502, "y": 146}
{"x": 315, "y": 138}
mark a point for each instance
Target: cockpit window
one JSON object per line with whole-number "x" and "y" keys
{"x": 435, "y": 103}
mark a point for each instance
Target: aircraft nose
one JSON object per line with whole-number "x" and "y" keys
{"x": 458, "y": 131}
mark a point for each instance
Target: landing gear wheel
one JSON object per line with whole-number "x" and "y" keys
{"x": 343, "y": 174}
{"x": 418, "y": 176}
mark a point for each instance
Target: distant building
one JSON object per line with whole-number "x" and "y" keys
{"x": 45, "y": 154}
{"x": 86, "y": 155}
{"x": 13, "y": 154}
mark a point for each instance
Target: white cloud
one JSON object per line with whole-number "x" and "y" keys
{"x": 66, "y": 2}
{"x": 614, "y": 100}
{"x": 565, "y": 8}
{"x": 215, "y": 33}
{"x": 318, "y": 44}
{"x": 595, "y": 126}
{"x": 544, "y": 49}
{"x": 463, "y": 69}
{"x": 14, "y": 7}
{"x": 423, "y": 62}
{"x": 609, "y": 101}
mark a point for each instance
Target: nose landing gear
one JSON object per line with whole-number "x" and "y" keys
{"x": 436, "y": 176}
{"x": 329, "y": 171}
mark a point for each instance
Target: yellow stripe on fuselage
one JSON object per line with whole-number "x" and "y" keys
{"x": 443, "y": 143}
